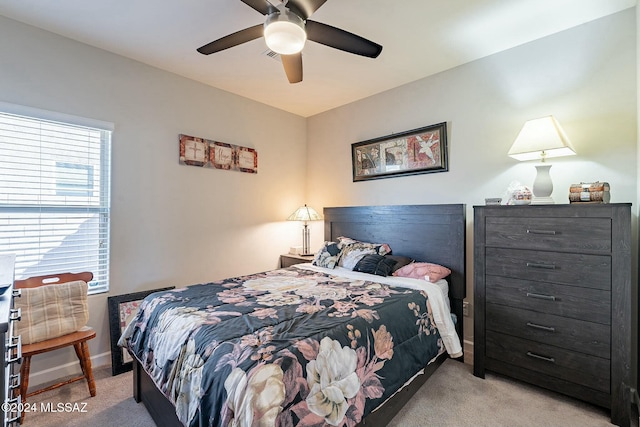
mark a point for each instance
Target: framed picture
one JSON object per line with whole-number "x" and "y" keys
{"x": 417, "y": 151}
{"x": 195, "y": 151}
{"x": 221, "y": 155}
{"x": 123, "y": 308}
{"x": 247, "y": 159}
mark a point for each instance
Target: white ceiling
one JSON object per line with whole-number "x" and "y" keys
{"x": 419, "y": 38}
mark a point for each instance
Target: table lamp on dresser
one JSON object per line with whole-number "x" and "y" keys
{"x": 540, "y": 139}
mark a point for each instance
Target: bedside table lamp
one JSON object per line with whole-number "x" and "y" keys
{"x": 305, "y": 213}
{"x": 540, "y": 139}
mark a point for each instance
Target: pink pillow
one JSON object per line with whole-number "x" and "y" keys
{"x": 423, "y": 270}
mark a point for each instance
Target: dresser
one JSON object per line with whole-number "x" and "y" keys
{"x": 552, "y": 299}
{"x": 9, "y": 345}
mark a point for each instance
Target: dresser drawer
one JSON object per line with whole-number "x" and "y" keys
{"x": 579, "y": 368}
{"x": 576, "y": 335}
{"x": 589, "y": 271}
{"x": 593, "y": 305}
{"x": 562, "y": 234}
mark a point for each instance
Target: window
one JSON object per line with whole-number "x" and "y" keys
{"x": 54, "y": 193}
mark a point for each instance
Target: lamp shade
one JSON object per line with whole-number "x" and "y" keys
{"x": 304, "y": 213}
{"x": 284, "y": 32}
{"x": 540, "y": 139}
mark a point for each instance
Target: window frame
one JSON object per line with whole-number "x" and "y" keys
{"x": 102, "y": 209}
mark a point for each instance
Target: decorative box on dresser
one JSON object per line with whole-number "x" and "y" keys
{"x": 552, "y": 297}
{"x": 9, "y": 345}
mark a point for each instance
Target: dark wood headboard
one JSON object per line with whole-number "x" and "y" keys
{"x": 429, "y": 233}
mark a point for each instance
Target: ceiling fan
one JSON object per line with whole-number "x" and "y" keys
{"x": 286, "y": 30}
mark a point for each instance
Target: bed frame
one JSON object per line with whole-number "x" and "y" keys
{"x": 433, "y": 233}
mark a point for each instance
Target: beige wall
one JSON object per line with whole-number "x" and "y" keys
{"x": 584, "y": 76}
{"x": 170, "y": 224}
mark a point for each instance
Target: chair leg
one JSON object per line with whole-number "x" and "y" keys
{"x": 24, "y": 381}
{"x": 78, "y": 348}
{"x": 82, "y": 351}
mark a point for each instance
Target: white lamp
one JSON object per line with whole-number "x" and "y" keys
{"x": 284, "y": 32}
{"x": 540, "y": 139}
{"x": 305, "y": 213}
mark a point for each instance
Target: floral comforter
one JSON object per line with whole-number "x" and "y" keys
{"x": 289, "y": 347}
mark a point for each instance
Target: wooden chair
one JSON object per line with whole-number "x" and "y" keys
{"x": 76, "y": 339}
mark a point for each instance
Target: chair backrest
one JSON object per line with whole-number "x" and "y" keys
{"x": 35, "y": 281}
{"x": 52, "y": 306}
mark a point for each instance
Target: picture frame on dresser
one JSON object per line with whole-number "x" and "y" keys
{"x": 122, "y": 308}
{"x": 552, "y": 295}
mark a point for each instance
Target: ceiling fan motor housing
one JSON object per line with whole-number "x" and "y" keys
{"x": 284, "y": 32}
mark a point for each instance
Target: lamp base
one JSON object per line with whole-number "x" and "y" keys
{"x": 542, "y": 186}
{"x": 542, "y": 200}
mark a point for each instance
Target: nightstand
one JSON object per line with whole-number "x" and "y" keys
{"x": 287, "y": 260}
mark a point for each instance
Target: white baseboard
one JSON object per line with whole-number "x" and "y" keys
{"x": 44, "y": 376}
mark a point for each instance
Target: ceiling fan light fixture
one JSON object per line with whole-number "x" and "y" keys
{"x": 284, "y": 33}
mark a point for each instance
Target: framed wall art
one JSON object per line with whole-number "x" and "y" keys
{"x": 123, "y": 308}
{"x": 417, "y": 151}
{"x": 206, "y": 153}
{"x": 247, "y": 160}
{"x": 193, "y": 151}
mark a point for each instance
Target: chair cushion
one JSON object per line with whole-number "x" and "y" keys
{"x": 51, "y": 311}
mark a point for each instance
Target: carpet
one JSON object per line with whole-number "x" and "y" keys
{"x": 452, "y": 397}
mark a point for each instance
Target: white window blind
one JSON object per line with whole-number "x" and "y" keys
{"x": 54, "y": 196}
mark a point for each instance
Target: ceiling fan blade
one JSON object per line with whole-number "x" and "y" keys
{"x": 262, "y": 6}
{"x": 304, "y": 8}
{"x": 341, "y": 39}
{"x": 293, "y": 67}
{"x": 232, "y": 40}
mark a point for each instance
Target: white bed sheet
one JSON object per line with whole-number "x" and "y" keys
{"x": 438, "y": 294}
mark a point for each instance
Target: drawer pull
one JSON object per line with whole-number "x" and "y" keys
{"x": 546, "y": 232}
{"x": 545, "y": 358}
{"x": 12, "y": 421}
{"x": 540, "y": 296}
{"x": 544, "y": 328}
{"x": 545, "y": 266}
{"x": 13, "y": 403}
{"x": 14, "y": 382}
{"x": 14, "y": 343}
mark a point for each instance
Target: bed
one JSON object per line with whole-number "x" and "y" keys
{"x": 352, "y": 377}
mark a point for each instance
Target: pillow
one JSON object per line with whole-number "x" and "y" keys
{"x": 423, "y": 270}
{"x": 375, "y": 264}
{"x": 385, "y": 248}
{"x": 51, "y": 311}
{"x": 354, "y": 250}
{"x": 328, "y": 255}
{"x": 401, "y": 261}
